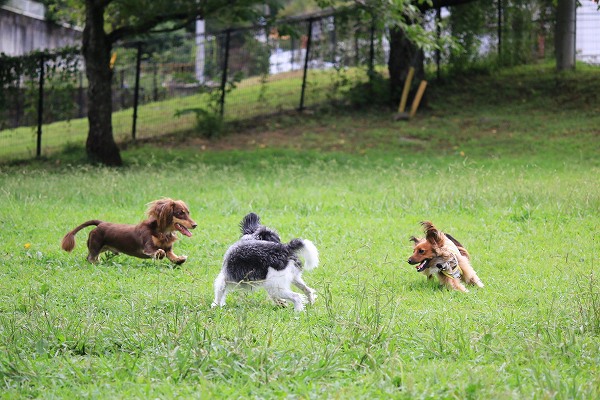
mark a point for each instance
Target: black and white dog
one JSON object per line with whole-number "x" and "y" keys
{"x": 259, "y": 259}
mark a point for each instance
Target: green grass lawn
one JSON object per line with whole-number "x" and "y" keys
{"x": 513, "y": 176}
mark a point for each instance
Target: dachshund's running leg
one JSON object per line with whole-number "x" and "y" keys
{"x": 159, "y": 254}
{"x": 95, "y": 244}
{"x": 175, "y": 258}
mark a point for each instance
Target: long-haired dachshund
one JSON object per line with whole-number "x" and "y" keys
{"x": 151, "y": 238}
{"x": 441, "y": 255}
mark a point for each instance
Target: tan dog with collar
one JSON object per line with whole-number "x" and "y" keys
{"x": 440, "y": 255}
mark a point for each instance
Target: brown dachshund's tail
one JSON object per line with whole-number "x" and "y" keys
{"x": 68, "y": 242}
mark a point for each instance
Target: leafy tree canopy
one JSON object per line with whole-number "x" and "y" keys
{"x": 127, "y": 18}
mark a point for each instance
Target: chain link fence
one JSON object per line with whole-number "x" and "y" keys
{"x": 187, "y": 84}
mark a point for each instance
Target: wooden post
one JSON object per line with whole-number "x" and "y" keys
{"x": 406, "y": 89}
{"x": 417, "y": 100}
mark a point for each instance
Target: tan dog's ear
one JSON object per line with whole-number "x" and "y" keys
{"x": 162, "y": 210}
{"x": 432, "y": 235}
{"x": 414, "y": 240}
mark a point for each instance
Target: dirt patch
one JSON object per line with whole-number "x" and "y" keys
{"x": 354, "y": 133}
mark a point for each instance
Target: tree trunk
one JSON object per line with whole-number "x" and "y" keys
{"x": 403, "y": 55}
{"x": 100, "y": 145}
{"x": 565, "y": 35}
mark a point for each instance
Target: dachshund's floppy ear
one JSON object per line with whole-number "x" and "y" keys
{"x": 432, "y": 235}
{"x": 414, "y": 239}
{"x": 162, "y": 210}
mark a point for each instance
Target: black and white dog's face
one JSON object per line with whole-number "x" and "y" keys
{"x": 253, "y": 230}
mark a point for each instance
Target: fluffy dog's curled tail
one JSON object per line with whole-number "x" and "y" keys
{"x": 307, "y": 250}
{"x": 68, "y": 242}
{"x": 250, "y": 224}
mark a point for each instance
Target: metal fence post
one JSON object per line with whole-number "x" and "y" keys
{"x": 438, "y": 32}
{"x": 372, "y": 52}
{"x": 334, "y": 43}
{"x": 80, "y": 96}
{"x": 224, "y": 76}
{"x": 293, "y": 51}
{"x": 154, "y": 81}
{"x": 499, "y": 28}
{"x": 306, "y": 58}
{"x": 38, "y": 152}
{"x": 356, "y": 47}
{"x": 136, "y": 92}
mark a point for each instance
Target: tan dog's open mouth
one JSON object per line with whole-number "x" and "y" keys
{"x": 423, "y": 265}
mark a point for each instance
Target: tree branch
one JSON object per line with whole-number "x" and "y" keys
{"x": 146, "y": 25}
{"x": 443, "y": 3}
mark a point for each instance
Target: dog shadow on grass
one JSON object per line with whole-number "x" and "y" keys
{"x": 112, "y": 260}
{"x": 423, "y": 285}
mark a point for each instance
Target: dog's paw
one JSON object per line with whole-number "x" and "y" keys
{"x": 299, "y": 300}
{"x": 304, "y": 299}
{"x": 280, "y": 302}
{"x": 180, "y": 260}
{"x": 160, "y": 254}
{"x": 458, "y": 286}
{"x": 299, "y": 307}
{"x": 312, "y": 296}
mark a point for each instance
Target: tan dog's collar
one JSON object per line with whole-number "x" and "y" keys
{"x": 455, "y": 272}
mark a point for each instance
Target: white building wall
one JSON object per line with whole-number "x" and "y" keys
{"x": 588, "y": 32}
{"x": 23, "y": 29}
